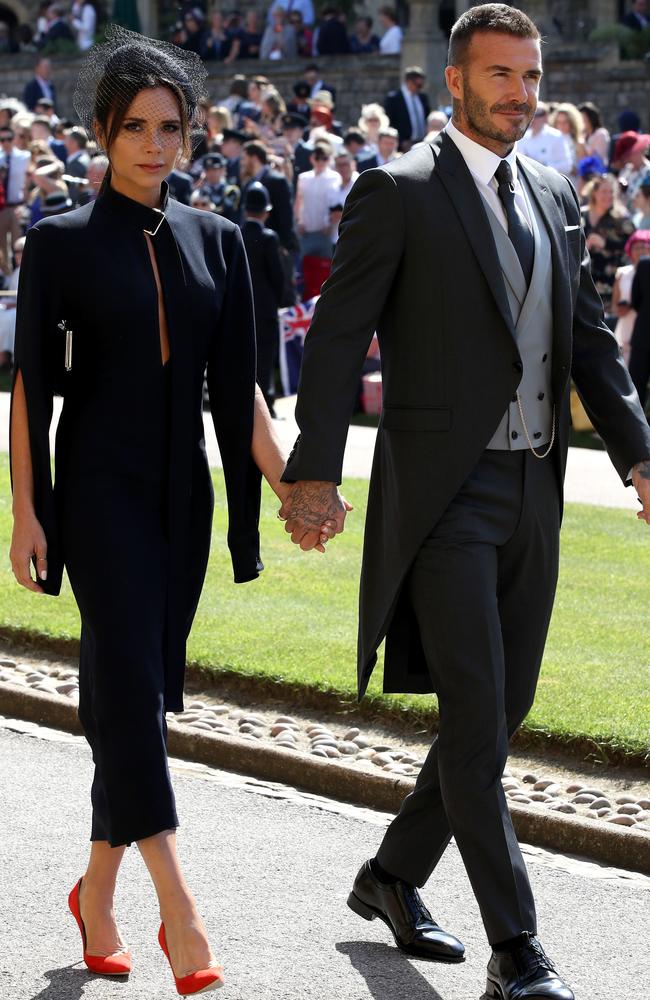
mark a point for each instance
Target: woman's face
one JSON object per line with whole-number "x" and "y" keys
{"x": 639, "y": 250}
{"x": 562, "y": 122}
{"x": 217, "y": 21}
{"x": 604, "y": 197}
{"x": 148, "y": 143}
{"x": 372, "y": 126}
{"x": 586, "y": 123}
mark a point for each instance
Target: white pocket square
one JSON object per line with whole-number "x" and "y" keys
{"x": 570, "y": 229}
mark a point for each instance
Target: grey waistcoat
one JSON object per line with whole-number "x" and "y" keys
{"x": 532, "y": 314}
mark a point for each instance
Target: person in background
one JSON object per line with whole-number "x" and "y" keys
{"x": 387, "y": 150}
{"x": 46, "y": 177}
{"x": 568, "y": 120}
{"x": 22, "y": 126}
{"x": 45, "y": 106}
{"x": 267, "y": 277}
{"x": 596, "y": 137}
{"x": 304, "y": 35}
{"x": 436, "y": 121}
{"x": 225, "y": 198}
{"x": 251, "y": 36}
{"x": 363, "y": 39}
{"x": 235, "y": 32}
{"x": 8, "y": 309}
{"x": 58, "y": 28}
{"x": 546, "y": 144}
{"x": 607, "y": 228}
{"x": 232, "y": 143}
{"x": 637, "y": 18}
{"x": 41, "y": 129}
{"x": 40, "y": 86}
{"x": 279, "y": 38}
{"x": 332, "y": 36}
{"x": 97, "y": 169}
{"x": 354, "y": 141}
{"x": 84, "y": 21}
{"x": 237, "y": 93}
{"x": 312, "y": 76}
{"x": 408, "y": 107}
{"x": 78, "y": 160}
{"x": 296, "y": 150}
{"x": 390, "y": 43}
{"x": 372, "y": 119}
{"x": 299, "y": 104}
{"x": 641, "y": 204}
{"x": 7, "y": 45}
{"x": 255, "y": 166}
{"x": 14, "y": 164}
{"x": 637, "y": 246}
{"x": 305, "y": 7}
{"x": 346, "y": 167}
{"x": 194, "y": 32}
{"x": 216, "y": 43}
{"x": 313, "y": 201}
{"x": 635, "y": 169}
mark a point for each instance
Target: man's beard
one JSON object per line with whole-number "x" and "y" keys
{"x": 476, "y": 113}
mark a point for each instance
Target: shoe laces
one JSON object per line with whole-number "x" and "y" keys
{"x": 530, "y": 958}
{"x": 413, "y": 900}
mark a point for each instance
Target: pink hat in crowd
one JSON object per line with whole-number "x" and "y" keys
{"x": 639, "y": 236}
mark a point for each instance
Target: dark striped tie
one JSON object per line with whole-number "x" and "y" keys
{"x": 518, "y": 229}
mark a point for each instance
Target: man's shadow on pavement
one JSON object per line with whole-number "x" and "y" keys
{"x": 69, "y": 983}
{"x": 388, "y": 973}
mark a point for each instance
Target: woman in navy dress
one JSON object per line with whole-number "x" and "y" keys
{"x": 122, "y": 305}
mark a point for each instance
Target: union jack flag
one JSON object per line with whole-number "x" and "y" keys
{"x": 294, "y": 324}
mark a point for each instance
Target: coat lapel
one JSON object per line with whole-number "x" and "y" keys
{"x": 455, "y": 175}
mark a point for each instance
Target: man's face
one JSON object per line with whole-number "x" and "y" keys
{"x": 44, "y": 69}
{"x": 293, "y": 135}
{"x": 230, "y": 148}
{"x": 495, "y": 92}
{"x": 387, "y": 146}
{"x": 344, "y": 167}
{"x": 214, "y": 176}
{"x": 640, "y": 6}
{"x": 6, "y": 141}
{"x": 415, "y": 84}
{"x": 40, "y": 132}
{"x": 311, "y": 76}
{"x": 319, "y": 160}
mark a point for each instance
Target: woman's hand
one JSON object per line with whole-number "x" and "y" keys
{"x": 28, "y": 539}
{"x": 595, "y": 240}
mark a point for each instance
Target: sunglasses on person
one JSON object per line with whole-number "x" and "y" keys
{"x": 6, "y": 138}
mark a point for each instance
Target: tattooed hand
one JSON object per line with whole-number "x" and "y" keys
{"x": 641, "y": 481}
{"x": 314, "y": 511}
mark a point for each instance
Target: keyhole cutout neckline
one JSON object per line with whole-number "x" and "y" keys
{"x": 163, "y": 331}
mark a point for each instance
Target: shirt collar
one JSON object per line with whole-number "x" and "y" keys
{"x": 481, "y": 161}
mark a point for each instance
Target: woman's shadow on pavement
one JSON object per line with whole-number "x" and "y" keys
{"x": 388, "y": 973}
{"x": 69, "y": 983}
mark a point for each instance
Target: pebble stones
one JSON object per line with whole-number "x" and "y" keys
{"x": 621, "y": 820}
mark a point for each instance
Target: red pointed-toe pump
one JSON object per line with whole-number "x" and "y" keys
{"x": 118, "y": 964}
{"x": 197, "y": 982}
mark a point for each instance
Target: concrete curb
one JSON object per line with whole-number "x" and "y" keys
{"x": 620, "y": 847}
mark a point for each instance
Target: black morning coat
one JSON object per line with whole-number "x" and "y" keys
{"x": 416, "y": 261}
{"x": 90, "y": 270}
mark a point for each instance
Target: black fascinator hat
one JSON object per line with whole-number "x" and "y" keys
{"x": 116, "y": 70}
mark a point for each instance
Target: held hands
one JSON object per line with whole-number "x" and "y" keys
{"x": 314, "y": 512}
{"x": 28, "y": 541}
{"x": 641, "y": 481}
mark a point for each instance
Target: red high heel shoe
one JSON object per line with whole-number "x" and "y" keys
{"x": 118, "y": 964}
{"x": 197, "y": 982}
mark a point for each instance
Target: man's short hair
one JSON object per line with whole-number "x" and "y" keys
{"x": 79, "y": 135}
{"x": 496, "y": 17}
{"x": 354, "y": 135}
{"x": 414, "y": 73}
{"x": 257, "y": 149}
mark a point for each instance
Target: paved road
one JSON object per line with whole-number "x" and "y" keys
{"x": 590, "y": 475}
{"x": 271, "y": 869}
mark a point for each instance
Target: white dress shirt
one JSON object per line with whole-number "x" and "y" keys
{"x": 20, "y": 160}
{"x": 482, "y": 164}
{"x": 549, "y": 147}
{"x": 316, "y": 192}
{"x": 390, "y": 43}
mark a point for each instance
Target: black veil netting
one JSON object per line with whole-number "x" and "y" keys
{"x": 124, "y": 59}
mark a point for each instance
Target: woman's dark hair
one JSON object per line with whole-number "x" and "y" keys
{"x": 130, "y": 70}
{"x": 592, "y": 113}
{"x": 496, "y": 17}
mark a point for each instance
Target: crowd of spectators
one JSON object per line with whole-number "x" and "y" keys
{"x": 302, "y": 161}
{"x": 58, "y": 25}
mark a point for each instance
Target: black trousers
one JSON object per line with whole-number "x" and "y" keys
{"x": 268, "y": 333}
{"x": 482, "y": 588}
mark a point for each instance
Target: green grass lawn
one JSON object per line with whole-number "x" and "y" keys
{"x": 297, "y": 623}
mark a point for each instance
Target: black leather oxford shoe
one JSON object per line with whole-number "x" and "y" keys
{"x": 400, "y": 907}
{"x": 524, "y": 973}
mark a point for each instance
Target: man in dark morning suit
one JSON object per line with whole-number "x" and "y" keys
{"x": 263, "y": 252}
{"x": 408, "y": 108}
{"x": 640, "y": 344}
{"x": 638, "y": 19}
{"x": 470, "y": 263}
{"x": 40, "y": 85}
{"x": 255, "y": 167}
